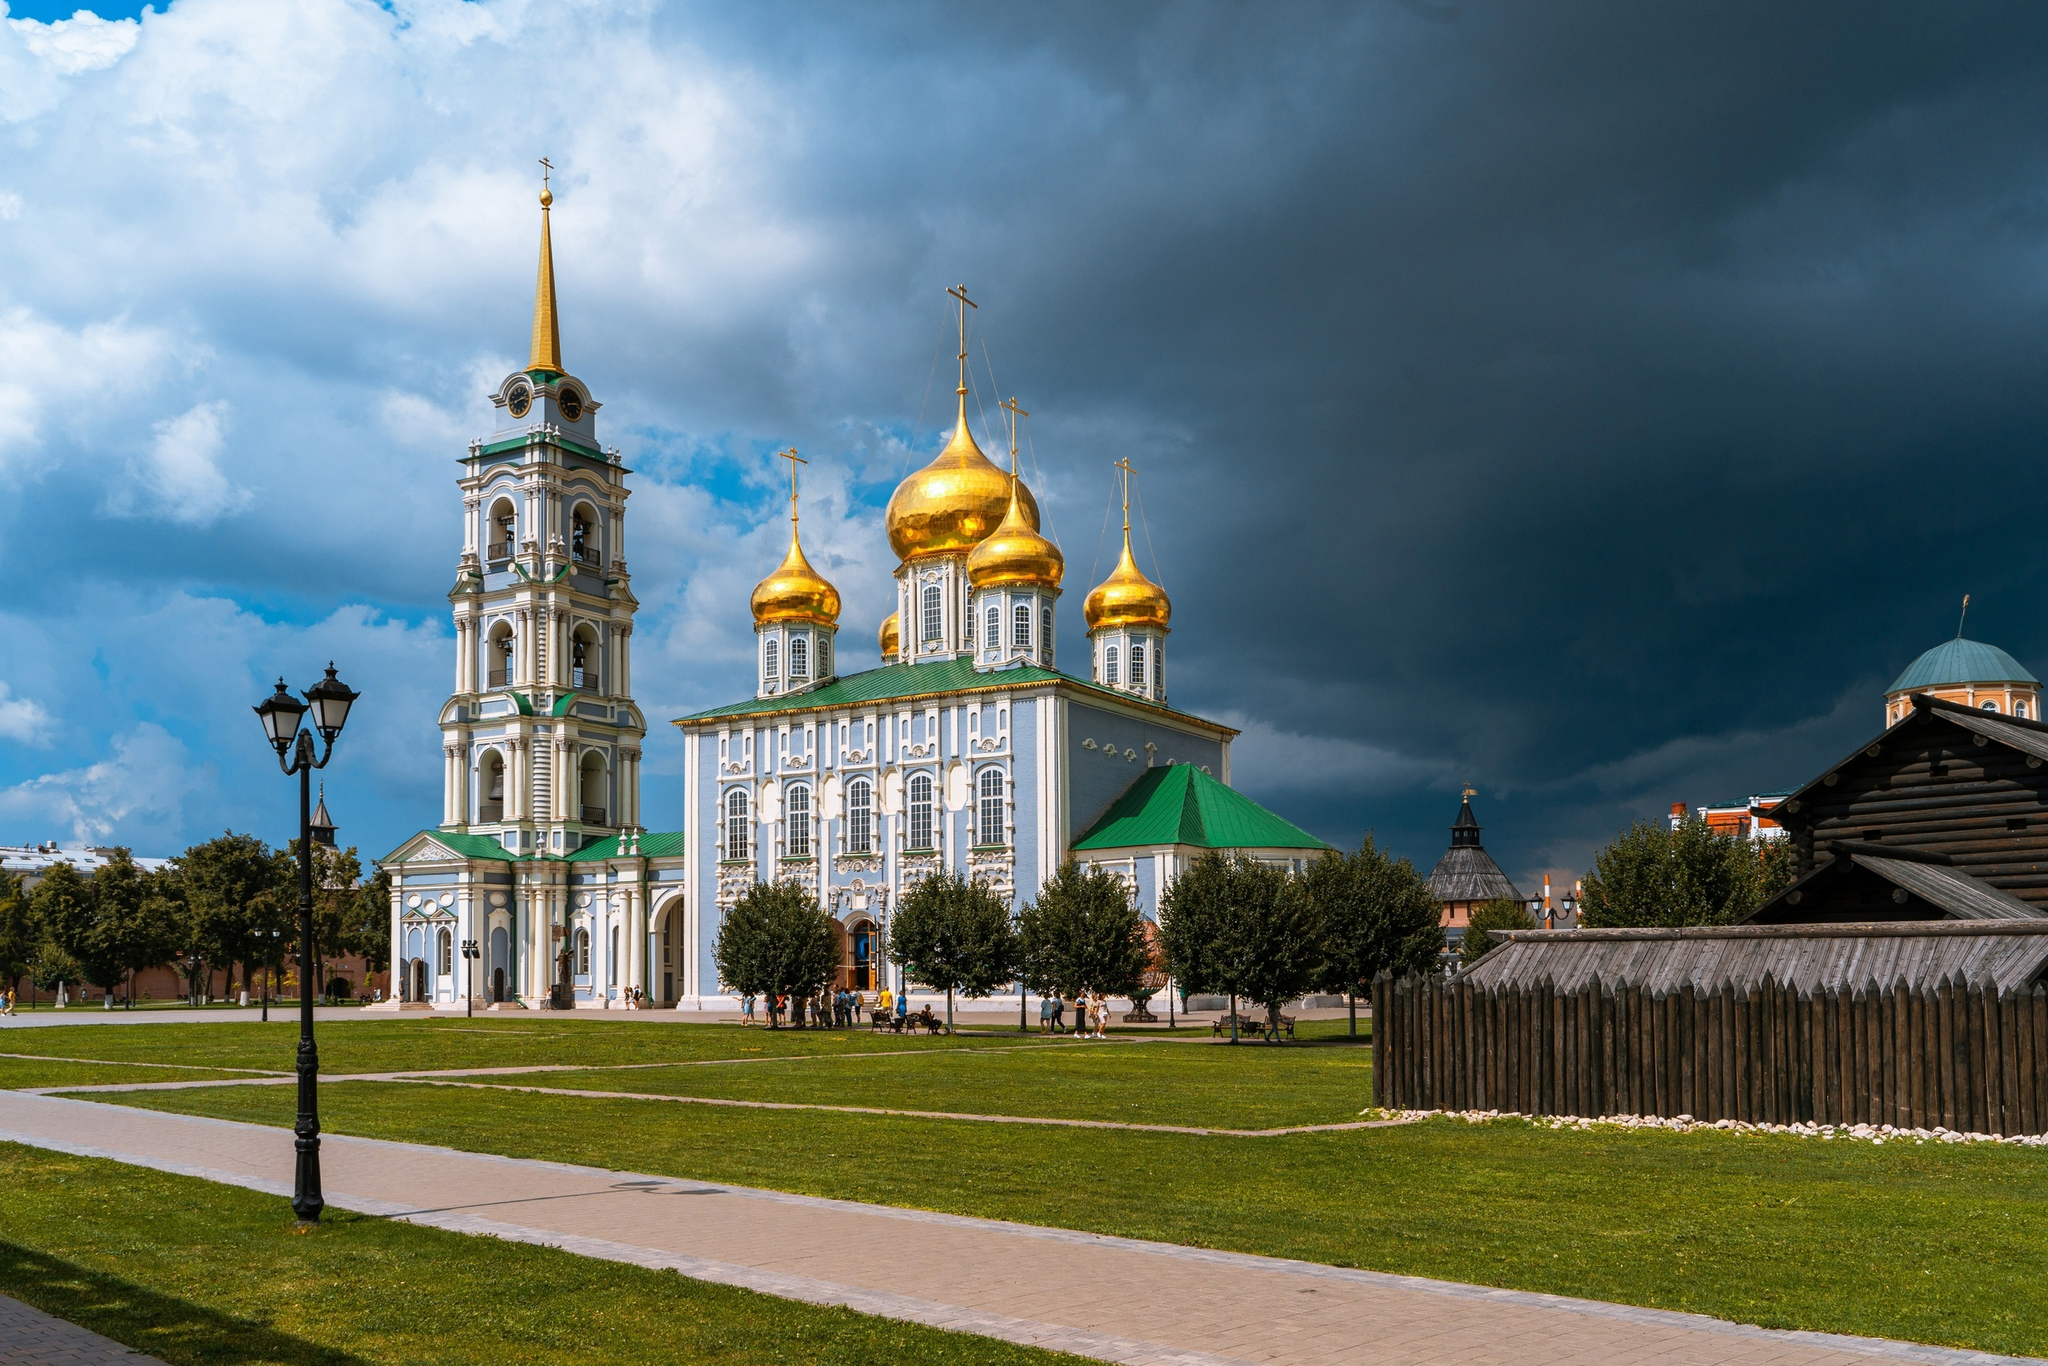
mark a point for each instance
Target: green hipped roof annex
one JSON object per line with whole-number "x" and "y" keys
{"x": 892, "y": 681}
{"x": 1180, "y": 804}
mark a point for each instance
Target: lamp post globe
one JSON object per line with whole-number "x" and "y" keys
{"x": 330, "y": 698}
{"x": 280, "y": 713}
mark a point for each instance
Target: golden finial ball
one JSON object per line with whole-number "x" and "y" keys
{"x": 547, "y": 197}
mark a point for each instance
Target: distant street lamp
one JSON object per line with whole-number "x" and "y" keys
{"x": 329, "y": 701}
{"x": 470, "y": 953}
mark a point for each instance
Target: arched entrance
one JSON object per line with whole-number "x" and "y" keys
{"x": 668, "y": 949}
{"x": 860, "y": 954}
{"x": 498, "y": 985}
{"x": 419, "y": 980}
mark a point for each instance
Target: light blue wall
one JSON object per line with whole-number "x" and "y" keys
{"x": 1094, "y": 780}
{"x": 1028, "y": 789}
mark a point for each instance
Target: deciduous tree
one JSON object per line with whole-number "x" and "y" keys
{"x": 954, "y": 933}
{"x": 1503, "y": 914}
{"x": 1654, "y": 876}
{"x": 1084, "y": 932}
{"x": 776, "y": 939}
{"x": 1374, "y": 914}
{"x": 1232, "y": 924}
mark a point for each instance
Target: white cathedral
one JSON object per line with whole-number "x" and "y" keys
{"x": 967, "y": 749}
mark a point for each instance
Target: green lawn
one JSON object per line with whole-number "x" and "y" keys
{"x": 197, "y": 1273}
{"x": 400, "y": 1044}
{"x": 1935, "y": 1243}
{"x": 1135, "y": 1083}
{"x": 22, "y": 1073}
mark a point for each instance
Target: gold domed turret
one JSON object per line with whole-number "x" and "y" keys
{"x": 890, "y": 640}
{"x": 1127, "y": 597}
{"x": 954, "y": 503}
{"x": 795, "y": 591}
{"x": 1015, "y": 554}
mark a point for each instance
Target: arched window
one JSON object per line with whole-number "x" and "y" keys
{"x": 771, "y": 660}
{"x": 1045, "y": 629}
{"x": 824, "y": 656}
{"x": 860, "y": 816}
{"x": 921, "y": 812}
{"x": 583, "y": 535}
{"x": 1159, "y": 673}
{"x": 736, "y": 830}
{"x": 2019, "y": 709}
{"x": 934, "y": 611}
{"x": 583, "y": 661}
{"x": 989, "y": 827}
{"x": 1990, "y": 706}
{"x": 593, "y": 791}
{"x": 446, "y": 956}
{"x": 993, "y": 636}
{"x": 1138, "y": 665}
{"x": 583, "y": 953}
{"x": 799, "y": 822}
{"x": 500, "y": 663}
{"x": 1109, "y": 662}
{"x": 501, "y": 532}
{"x": 799, "y": 657}
{"x": 1020, "y": 626}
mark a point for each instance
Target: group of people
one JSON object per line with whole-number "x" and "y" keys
{"x": 840, "y": 1009}
{"x": 1091, "y": 1015}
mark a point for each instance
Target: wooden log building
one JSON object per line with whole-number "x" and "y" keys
{"x": 1901, "y": 979}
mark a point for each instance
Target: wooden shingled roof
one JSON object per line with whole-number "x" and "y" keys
{"x": 2004, "y": 955}
{"x": 1467, "y": 872}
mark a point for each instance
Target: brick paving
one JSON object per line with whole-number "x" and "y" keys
{"x": 29, "y": 1337}
{"x": 1117, "y": 1299}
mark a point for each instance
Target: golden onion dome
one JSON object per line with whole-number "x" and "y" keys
{"x": 951, "y": 505}
{"x": 889, "y": 640}
{"x": 1127, "y": 597}
{"x": 795, "y": 591}
{"x": 1015, "y": 554}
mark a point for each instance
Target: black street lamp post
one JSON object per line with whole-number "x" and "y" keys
{"x": 329, "y": 701}
{"x": 470, "y": 953}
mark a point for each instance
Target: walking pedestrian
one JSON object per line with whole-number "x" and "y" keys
{"x": 747, "y": 1006}
{"x": 8, "y": 1008}
{"x": 1045, "y": 1014}
{"x": 1059, "y": 1012}
{"x": 902, "y": 1010}
{"x": 1101, "y": 1016}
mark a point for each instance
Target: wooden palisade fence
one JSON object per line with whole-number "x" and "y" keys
{"x": 1954, "y": 1056}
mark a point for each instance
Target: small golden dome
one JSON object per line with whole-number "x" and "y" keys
{"x": 795, "y": 591}
{"x": 951, "y": 505}
{"x": 889, "y": 640}
{"x": 1015, "y": 554}
{"x": 1127, "y": 597}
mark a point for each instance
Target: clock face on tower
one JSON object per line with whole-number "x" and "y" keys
{"x": 520, "y": 401}
{"x": 571, "y": 402}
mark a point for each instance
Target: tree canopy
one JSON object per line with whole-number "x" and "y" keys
{"x": 1233, "y": 925}
{"x": 954, "y": 934}
{"x": 776, "y": 939}
{"x": 1653, "y": 876}
{"x": 1084, "y": 932}
{"x": 1374, "y": 914}
{"x": 1503, "y": 914}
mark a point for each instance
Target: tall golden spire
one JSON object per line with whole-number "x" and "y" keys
{"x": 547, "y": 333}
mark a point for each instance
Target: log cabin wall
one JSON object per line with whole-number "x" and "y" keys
{"x": 1943, "y": 781}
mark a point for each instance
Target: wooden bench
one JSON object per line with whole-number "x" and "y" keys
{"x": 1255, "y": 1025}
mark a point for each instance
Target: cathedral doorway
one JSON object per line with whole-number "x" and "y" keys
{"x": 498, "y": 985}
{"x": 419, "y": 979}
{"x": 863, "y": 965}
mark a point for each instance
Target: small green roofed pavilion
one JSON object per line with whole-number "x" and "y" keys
{"x": 1179, "y": 804}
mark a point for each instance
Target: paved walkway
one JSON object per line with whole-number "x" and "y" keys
{"x": 1117, "y": 1299}
{"x": 29, "y": 1337}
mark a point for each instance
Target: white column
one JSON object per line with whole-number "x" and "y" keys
{"x": 625, "y": 687}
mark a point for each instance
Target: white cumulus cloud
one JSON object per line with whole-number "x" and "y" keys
{"x": 84, "y": 42}
{"x": 139, "y": 789}
{"x": 21, "y": 718}
{"x": 180, "y": 479}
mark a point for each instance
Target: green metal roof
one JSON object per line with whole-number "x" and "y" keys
{"x": 653, "y": 844}
{"x": 893, "y": 681}
{"x": 1180, "y": 804}
{"x": 1961, "y": 661}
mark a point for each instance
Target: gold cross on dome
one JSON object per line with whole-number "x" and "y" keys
{"x": 1015, "y": 413}
{"x": 794, "y": 460}
{"x": 960, "y": 292}
{"x": 547, "y": 169}
{"x": 1125, "y": 465}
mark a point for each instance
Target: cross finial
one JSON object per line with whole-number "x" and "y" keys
{"x": 1125, "y": 465}
{"x": 794, "y": 460}
{"x": 1964, "y": 617}
{"x": 960, "y": 292}
{"x": 1015, "y": 413}
{"x": 547, "y": 196}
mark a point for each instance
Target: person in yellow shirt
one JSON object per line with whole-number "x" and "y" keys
{"x": 885, "y": 1002}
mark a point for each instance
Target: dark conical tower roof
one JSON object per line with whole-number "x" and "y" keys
{"x": 1467, "y": 872}
{"x": 322, "y": 825}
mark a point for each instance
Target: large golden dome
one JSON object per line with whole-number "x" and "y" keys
{"x": 795, "y": 591}
{"x": 951, "y": 505}
{"x": 889, "y": 641}
{"x": 1015, "y": 554}
{"x": 1127, "y": 597}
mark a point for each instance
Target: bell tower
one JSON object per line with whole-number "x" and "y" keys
{"x": 541, "y": 738}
